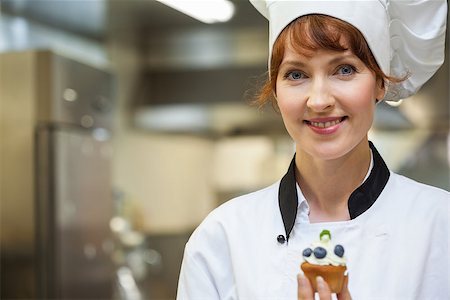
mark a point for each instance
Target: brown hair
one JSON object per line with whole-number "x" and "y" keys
{"x": 313, "y": 32}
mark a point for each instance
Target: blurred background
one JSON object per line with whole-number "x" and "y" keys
{"x": 125, "y": 122}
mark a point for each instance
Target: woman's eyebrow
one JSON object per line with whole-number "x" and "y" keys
{"x": 293, "y": 63}
{"x": 343, "y": 57}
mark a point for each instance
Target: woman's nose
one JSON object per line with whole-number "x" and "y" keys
{"x": 320, "y": 97}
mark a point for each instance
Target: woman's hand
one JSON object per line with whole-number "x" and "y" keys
{"x": 305, "y": 290}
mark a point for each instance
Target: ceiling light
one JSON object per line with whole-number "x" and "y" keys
{"x": 206, "y": 11}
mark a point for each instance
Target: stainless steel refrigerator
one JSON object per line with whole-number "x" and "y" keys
{"x": 56, "y": 202}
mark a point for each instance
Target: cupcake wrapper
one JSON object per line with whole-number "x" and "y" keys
{"x": 333, "y": 275}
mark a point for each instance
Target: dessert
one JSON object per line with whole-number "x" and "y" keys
{"x": 327, "y": 260}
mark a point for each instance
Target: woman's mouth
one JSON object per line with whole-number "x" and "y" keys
{"x": 325, "y": 125}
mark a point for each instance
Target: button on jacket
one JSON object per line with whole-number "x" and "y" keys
{"x": 396, "y": 242}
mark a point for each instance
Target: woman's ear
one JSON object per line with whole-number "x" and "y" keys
{"x": 275, "y": 102}
{"x": 380, "y": 90}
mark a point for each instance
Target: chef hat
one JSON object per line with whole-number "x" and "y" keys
{"x": 405, "y": 36}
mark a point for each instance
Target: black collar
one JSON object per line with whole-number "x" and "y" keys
{"x": 360, "y": 200}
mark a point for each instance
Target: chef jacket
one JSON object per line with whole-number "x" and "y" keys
{"x": 396, "y": 242}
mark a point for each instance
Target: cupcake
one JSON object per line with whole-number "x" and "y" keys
{"x": 327, "y": 260}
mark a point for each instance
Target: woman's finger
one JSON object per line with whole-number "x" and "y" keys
{"x": 344, "y": 294}
{"x": 304, "y": 291}
{"x": 323, "y": 289}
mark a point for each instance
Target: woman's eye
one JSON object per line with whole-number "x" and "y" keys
{"x": 346, "y": 70}
{"x": 295, "y": 75}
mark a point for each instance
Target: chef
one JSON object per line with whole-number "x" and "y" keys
{"x": 330, "y": 64}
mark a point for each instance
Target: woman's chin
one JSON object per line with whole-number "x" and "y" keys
{"x": 326, "y": 151}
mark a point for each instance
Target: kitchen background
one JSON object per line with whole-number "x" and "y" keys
{"x": 123, "y": 123}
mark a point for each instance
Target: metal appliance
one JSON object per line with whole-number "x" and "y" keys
{"x": 56, "y": 202}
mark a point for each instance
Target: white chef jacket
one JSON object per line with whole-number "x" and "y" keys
{"x": 396, "y": 242}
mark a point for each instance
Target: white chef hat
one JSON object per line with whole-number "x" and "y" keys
{"x": 405, "y": 36}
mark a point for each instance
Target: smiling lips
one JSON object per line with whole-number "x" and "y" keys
{"x": 325, "y": 122}
{"x": 325, "y": 125}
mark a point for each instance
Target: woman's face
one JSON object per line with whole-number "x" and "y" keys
{"x": 327, "y": 101}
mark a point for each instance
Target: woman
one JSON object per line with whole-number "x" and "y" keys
{"x": 330, "y": 64}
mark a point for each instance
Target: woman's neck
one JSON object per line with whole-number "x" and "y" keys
{"x": 327, "y": 184}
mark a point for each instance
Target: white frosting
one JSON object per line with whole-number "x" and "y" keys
{"x": 329, "y": 259}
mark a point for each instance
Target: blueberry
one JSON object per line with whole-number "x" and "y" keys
{"x": 320, "y": 252}
{"x": 339, "y": 250}
{"x": 307, "y": 252}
